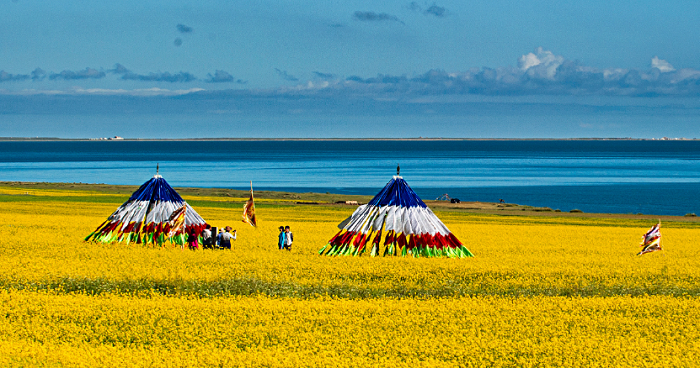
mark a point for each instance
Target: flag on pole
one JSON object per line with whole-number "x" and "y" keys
{"x": 651, "y": 241}
{"x": 249, "y": 209}
{"x": 177, "y": 221}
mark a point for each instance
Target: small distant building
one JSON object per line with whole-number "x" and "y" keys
{"x": 348, "y": 202}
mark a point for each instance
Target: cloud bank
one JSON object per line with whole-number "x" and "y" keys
{"x": 369, "y": 16}
{"x": 127, "y": 74}
{"x": 434, "y": 10}
{"x": 221, "y": 76}
{"x": 38, "y": 74}
{"x": 184, "y": 29}
{"x": 286, "y": 76}
{"x": 538, "y": 73}
{"x": 7, "y": 77}
{"x": 324, "y": 75}
{"x": 160, "y": 77}
{"x": 87, "y": 73}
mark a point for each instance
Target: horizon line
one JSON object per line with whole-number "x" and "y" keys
{"x": 120, "y": 139}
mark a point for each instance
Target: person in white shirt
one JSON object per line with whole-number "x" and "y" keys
{"x": 207, "y": 240}
{"x": 226, "y": 238}
{"x": 288, "y": 238}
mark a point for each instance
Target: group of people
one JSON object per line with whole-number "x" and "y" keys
{"x": 286, "y": 238}
{"x": 222, "y": 240}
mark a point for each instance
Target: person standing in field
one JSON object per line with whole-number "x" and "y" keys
{"x": 192, "y": 241}
{"x": 226, "y": 238}
{"x": 288, "y": 238}
{"x": 207, "y": 240}
{"x": 282, "y": 238}
{"x": 218, "y": 238}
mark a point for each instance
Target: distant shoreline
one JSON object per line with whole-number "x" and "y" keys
{"x": 235, "y": 197}
{"x": 419, "y": 139}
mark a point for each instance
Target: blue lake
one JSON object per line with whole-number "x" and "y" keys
{"x": 651, "y": 177}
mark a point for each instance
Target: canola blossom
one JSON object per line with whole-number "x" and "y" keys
{"x": 543, "y": 291}
{"x": 147, "y": 330}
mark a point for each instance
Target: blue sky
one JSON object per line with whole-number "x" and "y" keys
{"x": 323, "y": 68}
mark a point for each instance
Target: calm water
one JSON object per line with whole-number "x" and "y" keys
{"x": 651, "y": 177}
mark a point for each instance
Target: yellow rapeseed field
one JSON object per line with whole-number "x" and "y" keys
{"x": 540, "y": 291}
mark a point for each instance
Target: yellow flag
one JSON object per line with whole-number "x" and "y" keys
{"x": 177, "y": 220}
{"x": 249, "y": 209}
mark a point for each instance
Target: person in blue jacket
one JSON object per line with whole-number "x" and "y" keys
{"x": 282, "y": 238}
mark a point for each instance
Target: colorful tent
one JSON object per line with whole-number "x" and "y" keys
{"x": 149, "y": 216}
{"x": 411, "y": 227}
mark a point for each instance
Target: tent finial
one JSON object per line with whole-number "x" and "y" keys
{"x": 157, "y": 168}
{"x": 398, "y": 169}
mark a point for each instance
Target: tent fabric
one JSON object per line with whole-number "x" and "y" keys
{"x": 144, "y": 218}
{"x": 411, "y": 227}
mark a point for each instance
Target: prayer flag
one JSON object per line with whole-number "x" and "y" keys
{"x": 249, "y": 209}
{"x": 177, "y": 221}
{"x": 651, "y": 241}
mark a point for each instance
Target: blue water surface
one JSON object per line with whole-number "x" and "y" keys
{"x": 618, "y": 176}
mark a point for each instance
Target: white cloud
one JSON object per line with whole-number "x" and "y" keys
{"x": 527, "y": 61}
{"x": 686, "y": 75}
{"x": 614, "y": 74}
{"x": 30, "y": 92}
{"x": 136, "y": 92}
{"x": 663, "y": 65}
{"x": 105, "y": 92}
{"x": 542, "y": 63}
{"x": 540, "y": 72}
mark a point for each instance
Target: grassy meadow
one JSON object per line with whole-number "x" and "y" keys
{"x": 542, "y": 290}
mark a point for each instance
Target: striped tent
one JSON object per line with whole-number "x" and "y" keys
{"x": 154, "y": 214}
{"x": 409, "y": 227}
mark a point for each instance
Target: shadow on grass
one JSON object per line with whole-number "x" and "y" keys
{"x": 254, "y": 286}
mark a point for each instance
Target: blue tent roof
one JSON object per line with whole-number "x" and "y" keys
{"x": 156, "y": 189}
{"x": 397, "y": 193}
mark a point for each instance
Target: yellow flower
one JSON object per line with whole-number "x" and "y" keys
{"x": 541, "y": 291}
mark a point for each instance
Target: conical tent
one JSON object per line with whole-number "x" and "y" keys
{"x": 146, "y": 217}
{"x": 411, "y": 228}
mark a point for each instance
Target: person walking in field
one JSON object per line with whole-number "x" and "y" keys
{"x": 282, "y": 238}
{"x": 288, "y": 238}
